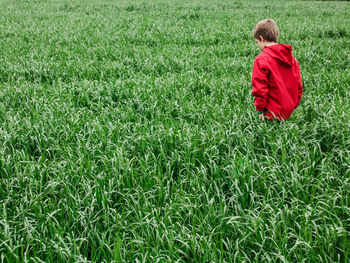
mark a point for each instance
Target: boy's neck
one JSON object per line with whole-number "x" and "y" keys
{"x": 267, "y": 44}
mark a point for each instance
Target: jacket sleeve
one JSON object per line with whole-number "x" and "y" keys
{"x": 260, "y": 85}
{"x": 300, "y": 87}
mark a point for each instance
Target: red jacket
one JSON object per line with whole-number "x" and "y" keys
{"x": 276, "y": 82}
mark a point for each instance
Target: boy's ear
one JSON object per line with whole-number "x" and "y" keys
{"x": 261, "y": 38}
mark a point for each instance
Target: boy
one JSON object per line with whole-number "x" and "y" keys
{"x": 276, "y": 79}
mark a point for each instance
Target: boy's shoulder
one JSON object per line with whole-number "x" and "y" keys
{"x": 263, "y": 59}
{"x": 263, "y": 55}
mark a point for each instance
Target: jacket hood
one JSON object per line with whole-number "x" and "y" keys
{"x": 281, "y": 53}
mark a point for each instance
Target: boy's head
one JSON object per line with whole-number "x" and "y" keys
{"x": 265, "y": 31}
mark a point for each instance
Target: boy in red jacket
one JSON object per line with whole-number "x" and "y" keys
{"x": 276, "y": 79}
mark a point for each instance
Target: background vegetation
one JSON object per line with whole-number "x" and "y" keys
{"x": 128, "y": 133}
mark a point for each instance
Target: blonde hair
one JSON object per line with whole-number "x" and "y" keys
{"x": 266, "y": 28}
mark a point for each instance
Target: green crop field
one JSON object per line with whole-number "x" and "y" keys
{"x": 128, "y": 133}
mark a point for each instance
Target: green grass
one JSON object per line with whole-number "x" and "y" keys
{"x": 128, "y": 133}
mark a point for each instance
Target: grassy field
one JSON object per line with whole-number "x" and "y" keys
{"x": 128, "y": 133}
